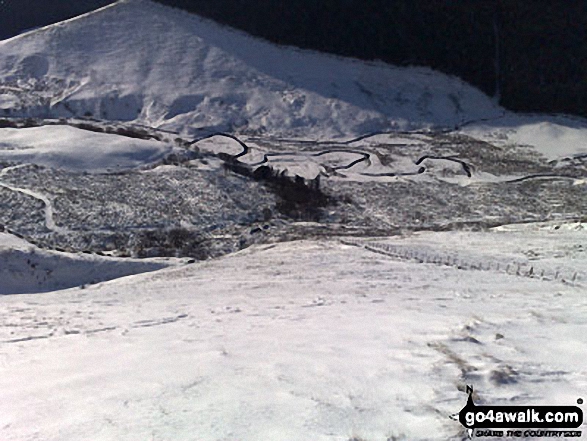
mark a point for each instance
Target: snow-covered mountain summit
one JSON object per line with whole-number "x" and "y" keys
{"x": 139, "y": 60}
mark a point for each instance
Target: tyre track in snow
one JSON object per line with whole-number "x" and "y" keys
{"x": 545, "y": 176}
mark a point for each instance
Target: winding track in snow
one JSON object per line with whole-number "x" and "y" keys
{"x": 366, "y": 157}
{"x": 466, "y": 167}
{"x": 545, "y": 176}
{"x": 49, "y": 219}
{"x": 6, "y": 170}
{"x": 363, "y": 157}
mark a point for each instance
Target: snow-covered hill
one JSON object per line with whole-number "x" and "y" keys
{"x": 138, "y": 60}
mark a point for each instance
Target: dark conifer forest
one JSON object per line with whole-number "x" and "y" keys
{"x": 530, "y": 53}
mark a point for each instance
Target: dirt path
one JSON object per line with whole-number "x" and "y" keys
{"x": 49, "y": 218}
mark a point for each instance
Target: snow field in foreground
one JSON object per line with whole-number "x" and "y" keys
{"x": 294, "y": 341}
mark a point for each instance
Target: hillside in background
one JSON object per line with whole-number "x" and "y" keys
{"x": 138, "y": 60}
{"x": 533, "y": 53}
{"x": 536, "y": 51}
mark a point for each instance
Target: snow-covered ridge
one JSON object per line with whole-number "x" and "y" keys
{"x": 24, "y": 268}
{"x": 139, "y": 60}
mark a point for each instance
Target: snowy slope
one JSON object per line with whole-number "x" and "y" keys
{"x": 77, "y": 150}
{"x": 554, "y": 137}
{"x": 138, "y": 60}
{"x": 297, "y": 341}
{"x": 25, "y": 268}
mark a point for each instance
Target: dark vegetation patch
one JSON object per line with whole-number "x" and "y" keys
{"x": 298, "y": 198}
{"x": 7, "y": 123}
{"x": 174, "y": 241}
